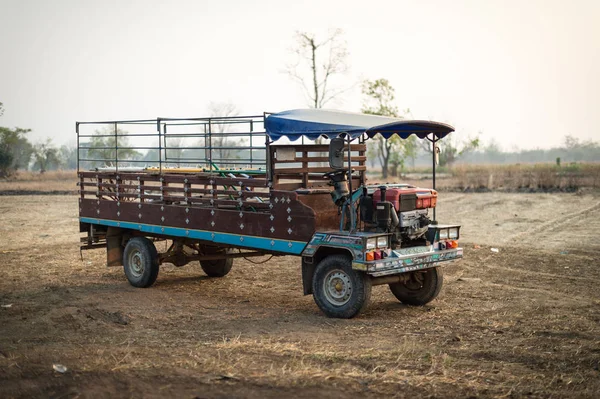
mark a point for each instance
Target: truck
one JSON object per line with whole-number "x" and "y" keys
{"x": 290, "y": 183}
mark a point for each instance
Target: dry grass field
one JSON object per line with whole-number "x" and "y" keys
{"x": 524, "y": 177}
{"x": 53, "y": 182}
{"x": 520, "y": 322}
{"x": 521, "y": 178}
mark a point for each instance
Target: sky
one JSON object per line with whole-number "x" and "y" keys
{"x": 522, "y": 73}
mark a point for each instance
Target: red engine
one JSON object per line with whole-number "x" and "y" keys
{"x": 401, "y": 210}
{"x": 407, "y": 198}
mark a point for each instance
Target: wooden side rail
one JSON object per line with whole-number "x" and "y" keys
{"x": 202, "y": 190}
{"x": 297, "y": 166}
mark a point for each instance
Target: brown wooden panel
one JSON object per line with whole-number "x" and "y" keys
{"x": 178, "y": 178}
{"x": 357, "y": 158}
{"x": 316, "y": 147}
{"x": 294, "y": 185}
{"x": 290, "y": 186}
{"x": 314, "y": 169}
{"x": 285, "y": 217}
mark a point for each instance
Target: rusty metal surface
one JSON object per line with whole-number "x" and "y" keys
{"x": 327, "y": 217}
{"x": 114, "y": 249}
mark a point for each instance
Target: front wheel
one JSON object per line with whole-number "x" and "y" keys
{"x": 338, "y": 290}
{"x": 140, "y": 261}
{"x": 421, "y": 288}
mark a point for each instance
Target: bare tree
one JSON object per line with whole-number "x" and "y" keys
{"x": 219, "y": 141}
{"x": 46, "y": 156}
{"x": 322, "y": 60}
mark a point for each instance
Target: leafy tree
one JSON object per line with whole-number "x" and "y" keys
{"x": 6, "y": 159}
{"x": 396, "y": 163}
{"x": 151, "y": 157}
{"x": 372, "y": 153}
{"x": 68, "y": 156}
{"x": 46, "y": 156}
{"x": 174, "y": 150}
{"x": 451, "y": 150}
{"x": 323, "y": 60}
{"x": 15, "y": 150}
{"x": 411, "y": 149}
{"x": 106, "y": 146}
{"x": 380, "y": 98}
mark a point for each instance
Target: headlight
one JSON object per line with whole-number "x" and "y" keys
{"x": 372, "y": 243}
{"x": 382, "y": 242}
{"x": 443, "y": 234}
{"x": 453, "y": 233}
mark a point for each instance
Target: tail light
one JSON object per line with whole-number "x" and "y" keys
{"x": 447, "y": 244}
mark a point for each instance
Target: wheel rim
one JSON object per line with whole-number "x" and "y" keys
{"x": 337, "y": 287}
{"x": 416, "y": 281}
{"x": 136, "y": 263}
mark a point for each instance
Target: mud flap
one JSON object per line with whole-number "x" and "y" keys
{"x": 308, "y": 270}
{"x": 114, "y": 249}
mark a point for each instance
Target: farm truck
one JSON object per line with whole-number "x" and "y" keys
{"x": 249, "y": 186}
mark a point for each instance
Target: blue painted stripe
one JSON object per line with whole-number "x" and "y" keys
{"x": 290, "y": 247}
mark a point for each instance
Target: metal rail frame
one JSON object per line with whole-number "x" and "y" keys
{"x": 167, "y": 128}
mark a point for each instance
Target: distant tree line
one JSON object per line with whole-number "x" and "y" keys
{"x": 17, "y": 152}
{"x": 572, "y": 149}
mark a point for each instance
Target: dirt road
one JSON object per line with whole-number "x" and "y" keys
{"x": 524, "y": 321}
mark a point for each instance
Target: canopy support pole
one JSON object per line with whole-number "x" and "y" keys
{"x": 434, "y": 153}
{"x": 351, "y": 203}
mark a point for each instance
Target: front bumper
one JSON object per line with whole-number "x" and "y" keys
{"x": 398, "y": 262}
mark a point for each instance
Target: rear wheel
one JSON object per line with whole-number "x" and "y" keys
{"x": 216, "y": 267}
{"x": 140, "y": 261}
{"x": 338, "y": 290}
{"x": 421, "y": 288}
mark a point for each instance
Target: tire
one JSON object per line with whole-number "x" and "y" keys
{"x": 338, "y": 290}
{"x": 140, "y": 261}
{"x": 216, "y": 267}
{"x": 422, "y": 288}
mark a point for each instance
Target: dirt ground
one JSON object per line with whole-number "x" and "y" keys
{"x": 523, "y": 321}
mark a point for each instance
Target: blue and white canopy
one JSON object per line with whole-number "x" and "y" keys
{"x": 313, "y": 123}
